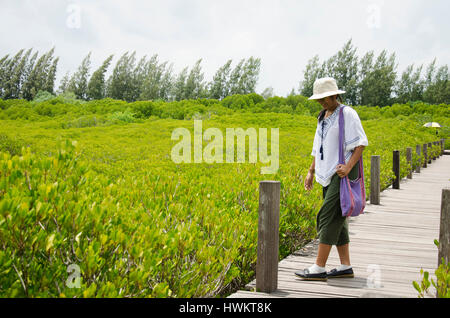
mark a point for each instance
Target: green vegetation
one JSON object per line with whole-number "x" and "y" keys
{"x": 442, "y": 283}
{"x": 139, "y": 225}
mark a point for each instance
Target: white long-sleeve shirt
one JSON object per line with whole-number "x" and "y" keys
{"x": 354, "y": 137}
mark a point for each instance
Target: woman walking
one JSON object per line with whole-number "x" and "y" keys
{"x": 332, "y": 227}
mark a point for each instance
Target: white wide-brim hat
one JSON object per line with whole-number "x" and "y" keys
{"x": 324, "y": 87}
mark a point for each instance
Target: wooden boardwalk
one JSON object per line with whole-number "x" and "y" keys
{"x": 389, "y": 244}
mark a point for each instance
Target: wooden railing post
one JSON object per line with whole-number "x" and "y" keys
{"x": 375, "y": 180}
{"x": 418, "y": 155}
{"x": 396, "y": 169}
{"x": 442, "y": 146}
{"x": 434, "y": 147}
{"x": 444, "y": 231}
{"x": 430, "y": 156}
{"x": 268, "y": 239}
{"x": 409, "y": 161}
{"x": 425, "y": 155}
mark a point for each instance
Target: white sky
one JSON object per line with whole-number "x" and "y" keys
{"x": 285, "y": 34}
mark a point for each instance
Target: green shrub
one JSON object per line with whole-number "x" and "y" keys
{"x": 42, "y": 96}
{"x": 12, "y": 146}
{"x": 442, "y": 283}
{"x": 127, "y": 116}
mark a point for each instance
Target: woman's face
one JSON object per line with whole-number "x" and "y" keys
{"x": 328, "y": 102}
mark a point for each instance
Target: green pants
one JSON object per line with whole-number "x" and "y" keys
{"x": 332, "y": 227}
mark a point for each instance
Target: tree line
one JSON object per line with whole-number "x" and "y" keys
{"x": 368, "y": 80}
{"x": 372, "y": 80}
{"x": 22, "y": 77}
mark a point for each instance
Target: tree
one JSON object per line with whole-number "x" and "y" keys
{"x": 267, "y": 93}
{"x": 234, "y": 84}
{"x": 39, "y": 75}
{"x": 96, "y": 85}
{"x": 78, "y": 84}
{"x": 122, "y": 84}
{"x": 51, "y": 76}
{"x": 410, "y": 86}
{"x": 9, "y": 88}
{"x": 3, "y": 71}
{"x": 152, "y": 81}
{"x": 250, "y": 74}
{"x": 138, "y": 78}
{"x": 344, "y": 68}
{"x": 218, "y": 88}
{"x": 25, "y": 91}
{"x": 378, "y": 79}
{"x": 64, "y": 83}
{"x": 166, "y": 84}
{"x": 195, "y": 87}
{"x": 439, "y": 91}
{"x": 312, "y": 72}
{"x": 179, "y": 91}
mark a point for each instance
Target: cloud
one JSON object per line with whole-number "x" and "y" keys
{"x": 284, "y": 34}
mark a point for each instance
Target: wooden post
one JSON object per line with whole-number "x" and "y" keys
{"x": 444, "y": 231}
{"x": 430, "y": 157}
{"x": 434, "y": 147}
{"x": 442, "y": 146}
{"x": 418, "y": 155}
{"x": 437, "y": 143}
{"x": 425, "y": 155}
{"x": 268, "y": 239}
{"x": 409, "y": 161}
{"x": 375, "y": 180}
{"x": 396, "y": 169}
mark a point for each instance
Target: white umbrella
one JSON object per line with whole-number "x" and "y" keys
{"x": 433, "y": 124}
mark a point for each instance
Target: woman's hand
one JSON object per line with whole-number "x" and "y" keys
{"x": 343, "y": 170}
{"x": 309, "y": 181}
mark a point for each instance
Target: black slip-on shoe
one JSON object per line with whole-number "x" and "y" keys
{"x": 306, "y": 275}
{"x": 334, "y": 273}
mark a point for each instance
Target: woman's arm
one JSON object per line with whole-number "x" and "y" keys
{"x": 344, "y": 170}
{"x": 312, "y": 168}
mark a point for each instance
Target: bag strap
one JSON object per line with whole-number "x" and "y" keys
{"x": 341, "y": 144}
{"x": 341, "y": 135}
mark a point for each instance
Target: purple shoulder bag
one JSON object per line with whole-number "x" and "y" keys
{"x": 352, "y": 193}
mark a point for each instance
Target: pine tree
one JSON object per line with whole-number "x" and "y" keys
{"x": 218, "y": 88}
{"x": 377, "y": 85}
{"x": 51, "y": 76}
{"x": 10, "y": 79}
{"x": 121, "y": 83}
{"x": 312, "y": 72}
{"x": 3, "y": 66}
{"x": 27, "y": 80}
{"x": 234, "y": 84}
{"x": 18, "y": 76}
{"x": 167, "y": 84}
{"x": 151, "y": 85}
{"x": 250, "y": 75}
{"x": 96, "y": 85}
{"x": 195, "y": 86}
{"x": 179, "y": 92}
{"x": 78, "y": 84}
{"x": 344, "y": 68}
{"x": 439, "y": 90}
{"x": 64, "y": 84}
